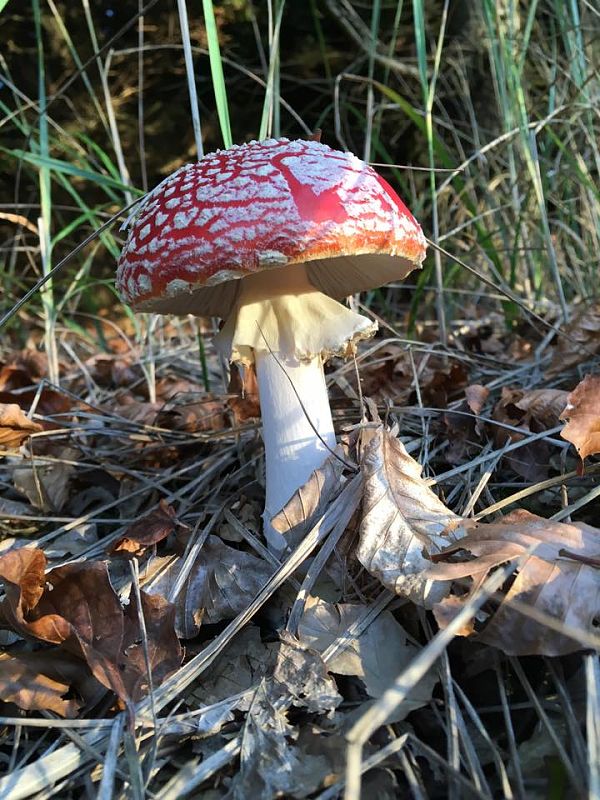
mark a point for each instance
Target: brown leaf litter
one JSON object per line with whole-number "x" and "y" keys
{"x": 147, "y": 531}
{"x": 76, "y": 607}
{"x": 582, "y": 411}
{"x": 15, "y": 427}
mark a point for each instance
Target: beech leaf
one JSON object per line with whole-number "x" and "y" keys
{"x": 403, "y": 521}
{"x": 15, "y": 426}
{"x": 147, "y": 531}
{"x": 376, "y": 656}
{"x": 309, "y": 502}
{"x": 39, "y": 680}
{"x": 22, "y": 683}
{"x": 75, "y": 606}
{"x": 582, "y": 341}
{"x": 221, "y": 583}
{"x": 566, "y": 589}
{"x": 583, "y": 412}
{"x": 162, "y": 645}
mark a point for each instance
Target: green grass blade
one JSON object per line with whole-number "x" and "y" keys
{"x": 216, "y": 68}
{"x": 55, "y": 164}
{"x": 266, "y": 123}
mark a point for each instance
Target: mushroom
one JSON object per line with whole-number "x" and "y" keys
{"x": 269, "y": 236}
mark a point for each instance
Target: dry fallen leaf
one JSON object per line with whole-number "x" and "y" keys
{"x": 150, "y": 529}
{"x": 221, "y": 583}
{"x": 189, "y": 414}
{"x": 531, "y": 411}
{"x": 583, "y": 414}
{"x": 403, "y": 521}
{"x": 75, "y": 606}
{"x": 476, "y": 395}
{"x": 543, "y": 405}
{"x": 310, "y": 501}
{"x": 23, "y": 683}
{"x": 583, "y": 331}
{"x": 271, "y": 763}
{"x": 565, "y": 589}
{"x": 244, "y": 404}
{"x": 464, "y": 427}
{"x": 39, "y": 681}
{"x": 376, "y": 656}
{"x": 162, "y": 645}
{"x": 15, "y": 427}
{"x": 46, "y": 483}
{"x": 241, "y": 665}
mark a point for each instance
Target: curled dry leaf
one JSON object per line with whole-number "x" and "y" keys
{"x": 23, "y": 683}
{"x": 565, "y": 589}
{"x": 543, "y": 405}
{"x": 221, "y": 583}
{"x": 39, "y": 681}
{"x": 244, "y": 404}
{"x": 309, "y": 502}
{"x": 583, "y": 342}
{"x": 476, "y": 395}
{"x": 583, "y": 414}
{"x": 403, "y": 521}
{"x": 45, "y": 483}
{"x": 15, "y": 427}
{"x": 75, "y": 606}
{"x": 271, "y": 762}
{"x": 534, "y": 411}
{"x": 150, "y": 529}
{"x": 376, "y": 656}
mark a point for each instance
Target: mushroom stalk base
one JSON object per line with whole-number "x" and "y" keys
{"x": 292, "y": 449}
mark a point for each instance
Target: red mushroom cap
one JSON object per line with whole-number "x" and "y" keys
{"x": 260, "y": 206}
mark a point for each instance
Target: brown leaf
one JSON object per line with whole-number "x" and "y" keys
{"x": 149, "y": 530}
{"x": 376, "y": 656}
{"x": 138, "y": 411}
{"x": 15, "y": 427}
{"x": 91, "y": 618}
{"x": 164, "y": 650}
{"x": 48, "y": 402}
{"x": 76, "y": 606}
{"x": 46, "y": 484}
{"x": 246, "y": 404}
{"x": 37, "y": 681}
{"x": 445, "y": 383}
{"x": 584, "y": 340}
{"x": 113, "y": 371}
{"x": 583, "y": 412}
{"x": 562, "y": 588}
{"x": 476, "y": 395}
{"x": 403, "y": 521}
{"x": 310, "y": 501}
{"x": 24, "y": 683}
{"x": 194, "y": 416}
{"x": 221, "y": 583}
{"x": 463, "y": 427}
{"x": 543, "y": 405}
{"x": 23, "y": 574}
{"x": 530, "y": 460}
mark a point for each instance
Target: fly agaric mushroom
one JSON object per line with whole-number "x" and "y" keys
{"x": 269, "y": 236}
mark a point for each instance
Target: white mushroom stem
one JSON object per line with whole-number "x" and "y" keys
{"x": 288, "y": 328}
{"x": 292, "y": 448}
